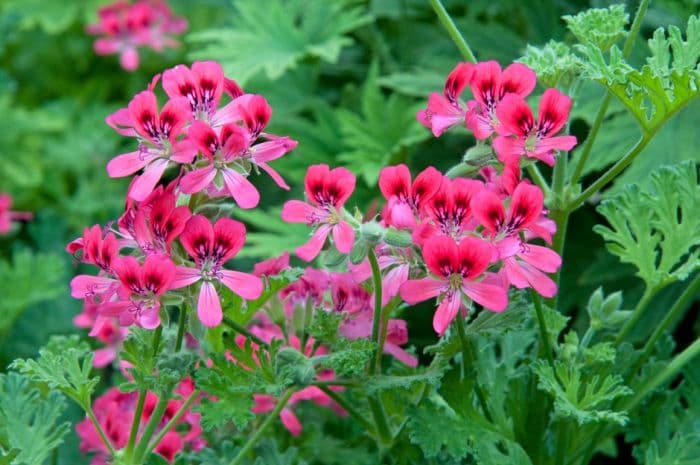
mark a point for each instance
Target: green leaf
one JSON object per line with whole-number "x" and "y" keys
{"x": 64, "y": 364}
{"x": 584, "y": 399}
{"x": 270, "y": 236}
{"x": 277, "y": 37}
{"x": 657, "y": 230}
{"x": 431, "y": 376}
{"x": 30, "y": 422}
{"x": 660, "y": 88}
{"x": 437, "y": 429}
{"x": 383, "y": 131}
{"x": 604, "y": 312}
{"x": 601, "y": 27}
{"x": 348, "y": 357}
{"x": 554, "y": 63}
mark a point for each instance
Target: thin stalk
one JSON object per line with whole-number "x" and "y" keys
{"x": 378, "y": 326}
{"x": 559, "y": 179}
{"x": 100, "y": 431}
{"x": 181, "y": 328}
{"x": 150, "y": 428}
{"x": 468, "y": 353}
{"x": 265, "y": 424}
{"x": 156, "y": 340}
{"x": 241, "y": 330}
{"x": 349, "y": 408}
{"x": 161, "y": 434}
{"x": 636, "y": 315}
{"x": 452, "y": 30}
{"x": 135, "y": 423}
{"x": 538, "y": 178}
{"x": 380, "y": 420}
{"x": 562, "y": 443}
{"x": 636, "y": 25}
{"x": 678, "y": 308}
{"x": 611, "y": 174}
{"x": 544, "y": 333}
{"x": 335, "y": 382}
{"x": 308, "y": 313}
{"x": 664, "y": 375}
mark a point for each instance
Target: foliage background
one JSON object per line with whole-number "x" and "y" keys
{"x": 344, "y": 78}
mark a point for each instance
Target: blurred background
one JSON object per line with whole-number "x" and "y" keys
{"x": 344, "y": 77}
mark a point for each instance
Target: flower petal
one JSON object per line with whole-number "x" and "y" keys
{"x": 246, "y": 285}
{"x": 209, "y": 306}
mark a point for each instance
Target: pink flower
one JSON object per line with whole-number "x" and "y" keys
{"x": 105, "y": 329}
{"x": 446, "y": 110}
{"x": 395, "y": 264}
{"x": 327, "y": 191}
{"x": 520, "y": 134}
{"x": 141, "y": 289}
{"x": 272, "y": 266}
{"x": 524, "y": 263}
{"x": 97, "y": 248}
{"x": 211, "y": 247}
{"x": 489, "y": 86}
{"x": 405, "y": 200}
{"x": 359, "y": 325}
{"x": 309, "y": 289}
{"x": 124, "y": 27}
{"x": 456, "y": 269}
{"x": 7, "y": 216}
{"x": 159, "y": 145}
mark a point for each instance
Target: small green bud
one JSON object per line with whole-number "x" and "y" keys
{"x": 398, "y": 238}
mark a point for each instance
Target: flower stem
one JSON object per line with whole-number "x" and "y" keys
{"x": 242, "y": 330}
{"x": 538, "y": 178}
{"x": 544, "y": 333}
{"x": 452, "y": 30}
{"x": 156, "y": 416}
{"x": 378, "y": 324}
{"x": 135, "y": 423}
{"x": 265, "y": 424}
{"x": 181, "y": 328}
{"x": 349, "y": 408}
{"x": 161, "y": 434}
{"x": 100, "y": 431}
{"x": 678, "y": 308}
{"x": 469, "y": 353}
{"x": 379, "y": 415}
{"x": 638, "y": 312}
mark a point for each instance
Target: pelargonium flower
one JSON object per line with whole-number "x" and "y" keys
{"x": 158, "y": 140}
{"x": 457, "y": 271}
{"x": 524, "y": 263}
{"x": 406, "y": 200}
{"x": 272, "y": 266}
{"x": 395, "y": 264}
{"x": 326, "y": 191}
{"x": 489, "y": 86}
{"x": 211, "y": 247}
{"x": 106, "y": 330}
{"x": 7, "y": 216}
{"x": 124, "y": 27}
{"x": 520, "y": 135}
{"x": 142, "y": 286}
{"x": 97, "y": 248}
{"x": 309, "y": 289}
{"x": 445, "y": 110}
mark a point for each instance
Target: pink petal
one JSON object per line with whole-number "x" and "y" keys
{"x": 291, "y": 422}
{"x": 401, "y": 355}
{"x": 446, "y": 312}
{"x": 185, "y": 276}
{"x": 84, "y": 285}
{"x": 418, "y": 290}
{"x": 540, "y": 257}
{"x": 104, "y": 357}
{"x": 129, "y": 59}
{"x": 209, "y": 306}
{"x": 127, "y": 164}
{"x": 197, "y": 180}
{"x": 296, "y": 211}
{"x": 150, "y": 319}
{"x": 489, "y": 296}
{"x": 246, "y": 285}
{"x": 392, "y": 282}
{"x": 343, "y": 236}
{"x": 243, "y": 192}
{"x": 274, "y": 175}
{"x": 145, "y": 184}
{"x": 312, "y": 248}
{"x": 507, "y": 147}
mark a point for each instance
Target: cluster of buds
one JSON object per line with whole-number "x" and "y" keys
{"x": 124, "y": 27}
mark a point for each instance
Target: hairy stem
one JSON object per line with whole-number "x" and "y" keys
{"x": 384, "y": 435}
{"x": 181, "y": 328}
{"x": 265, "y": 424}
{"x": 150, "y": 428}
{"x": 538, "y": 179}
{"x": 378, "y": 325}
{"x": 636, "y": 315}
{"x": 469, "y": 354}
{"x": 161, "y": 434}
{"x": 544, "y": 333}
{"x": 242, "y": 330}
{"x": 100, "y": 431}
{"x": 352, "y": 411}
{"x": 135, "y": 423}
{"x": 452, "y": 30}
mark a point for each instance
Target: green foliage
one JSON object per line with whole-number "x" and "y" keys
{"x": 604, "y": 312}
{"x": 348, "y": 357}
{"x": 660, "y": 88}
{"x": 65, "y": 365}
{"x": 271, "y": 235}
{"x": 656, "y": 230}
{"x": 584, "y": 399}
{"x": 276, "y": 38}
{"x": 601, "y": 27}
{"x": 554, "y": 63}
{"x": 28, "y": 279}
{"x": 30, "y": 430}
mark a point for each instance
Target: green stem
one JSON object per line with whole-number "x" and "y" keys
{"x": 161, "y": 434}
{"x": 469, "y": 353}
{"x": 452, "y": 30}
{"x": 308, "y": 313}
{"x": 241, "y": 330}
{"x": 380, "y": 420}
{"x": 150, "y": 428}
{"x": 562, "y": 443}
{"x": 466, "y": 352}
{"x": 611, "y": 174}
{"x": 586, "y": 151}
{"x": 559, "y": 179}
{"x": 544, "y": 333}
{"x": 664, "y": 375}
{"x": 100, "y": 431}
{"x": 349, "y": 408}
{"x": 265, "y": 424}
{"x": 181, "y": 328}
{"x": 538, "y": 178}
{"x": 636, "y": 25}
{"x": 156, "y": 340}
{"x": 460, "y": 169}
{"x": 636, "y": 315}
{"x": 135, "y": 423}
{"x": 378, "y": 326}
{"x": 678, "y": 308}
{"x": 336, "y": 382}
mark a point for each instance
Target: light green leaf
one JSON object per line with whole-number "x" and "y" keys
{"x": 601, "y": 27}
{"x": 554, "y": 63}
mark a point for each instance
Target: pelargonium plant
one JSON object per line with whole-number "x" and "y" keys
{"x": 211, "y": 351}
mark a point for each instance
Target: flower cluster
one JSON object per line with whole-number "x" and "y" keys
{"x": 7, "y": 216}
{"x": 123, "y": 27}
{"x": 115, "y": 412}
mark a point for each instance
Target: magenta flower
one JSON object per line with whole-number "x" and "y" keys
{"x": 327, "y": 191}
{"x": 211, "y": 247}
{"x": 446, "y": 110}
{"x": 489, "y": 86}
{"x": 7, "y": 216}
{"x": 124, "y": 27}
{"x": 456, "y": 270}
{"x": 158, "y": 140}
{"x": 520, "y": 134}
{"x": 524, "y": 263}
{"x": 142, "y": 286}
{"x": 395, "y": 264}
{"x": 405, "y": 200}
